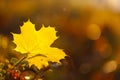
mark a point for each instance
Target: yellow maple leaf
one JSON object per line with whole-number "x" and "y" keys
{"x": 37, "y": 44}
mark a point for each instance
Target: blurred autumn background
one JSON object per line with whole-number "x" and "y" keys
{"x": 88, "y": 30}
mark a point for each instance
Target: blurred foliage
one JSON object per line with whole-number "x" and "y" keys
{"x": 89, "y": 33}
